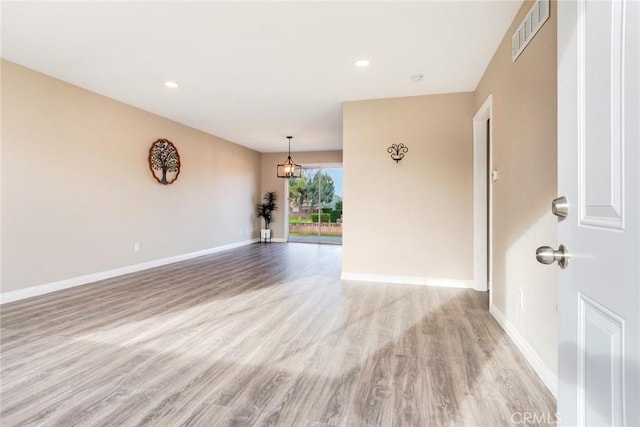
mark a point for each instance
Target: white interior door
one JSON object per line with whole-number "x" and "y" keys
{"x": 598, "y": 164}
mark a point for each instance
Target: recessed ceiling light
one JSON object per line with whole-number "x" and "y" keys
{"x": 417, "y": 77}
{"x": 362, "y": 63}
{"x": 171, "y": 85}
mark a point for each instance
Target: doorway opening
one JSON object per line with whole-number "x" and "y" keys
{"x": 482, "y": 197}
{"x": 315, "y": 206}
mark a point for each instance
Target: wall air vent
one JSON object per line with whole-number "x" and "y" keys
{"x": 533, "y": 21}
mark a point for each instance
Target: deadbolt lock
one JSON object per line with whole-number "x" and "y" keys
{"x": 560, "y": 207}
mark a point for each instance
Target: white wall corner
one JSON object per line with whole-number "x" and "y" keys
{"x": 548, "y": 377}
{"x": 479, "y": 285}
{"x": 33, "y": 291}
{"x": 407, "y": 280}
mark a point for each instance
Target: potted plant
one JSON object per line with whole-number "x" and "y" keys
{"x": 265, "y": 211}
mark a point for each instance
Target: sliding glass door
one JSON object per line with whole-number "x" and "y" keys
{"x": 315, "y": 206}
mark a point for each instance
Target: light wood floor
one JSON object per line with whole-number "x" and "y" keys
{"x": 264, "y": 335}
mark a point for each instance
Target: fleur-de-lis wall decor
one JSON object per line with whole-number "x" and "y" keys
{"x": 397, "y": 151}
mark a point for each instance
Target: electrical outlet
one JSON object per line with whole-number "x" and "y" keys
{"x": 521, "y": 300}
{"x": 136, "y": 247}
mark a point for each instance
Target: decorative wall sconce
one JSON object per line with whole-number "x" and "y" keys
{"x": 397, "y": 151}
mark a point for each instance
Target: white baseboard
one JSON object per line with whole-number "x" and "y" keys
{"x": 547, "y": 376}
{"x": 274, "y": 240}
{"x": 480, "y": 285}
{"x": 407, "y": 280}
{"x": 94, "y": 277}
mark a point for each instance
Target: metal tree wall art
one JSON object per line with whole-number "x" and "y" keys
{"x": 164, "y": 161}
{"x": 397, "y": 151}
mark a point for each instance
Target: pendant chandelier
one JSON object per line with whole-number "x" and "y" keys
{"x": 289, "y": 169}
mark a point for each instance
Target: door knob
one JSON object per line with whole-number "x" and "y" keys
{"x": 548, "y": 255}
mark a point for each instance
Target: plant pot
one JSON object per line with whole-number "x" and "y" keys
{"x": 265, "y": 234}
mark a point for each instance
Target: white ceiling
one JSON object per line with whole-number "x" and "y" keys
{"x": 255, "y": 72}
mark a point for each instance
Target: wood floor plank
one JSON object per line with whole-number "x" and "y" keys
{"x": 264, "y": 335}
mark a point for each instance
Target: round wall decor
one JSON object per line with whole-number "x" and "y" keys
{"x": 164, "y": 161}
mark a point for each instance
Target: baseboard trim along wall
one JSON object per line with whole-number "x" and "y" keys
{"x": 547, "y": 376}
{"x": 407, "y": 280}
{"x": 94, "y": 277}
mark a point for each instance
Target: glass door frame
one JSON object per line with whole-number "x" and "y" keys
{"x": 286, "y": 192}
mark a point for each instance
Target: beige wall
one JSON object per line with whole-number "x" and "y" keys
{"x": 77, "y": 191}
{"x": 524, "y": 153}
{"x": 412, "y": 218}
{"x": 271, "y": 182}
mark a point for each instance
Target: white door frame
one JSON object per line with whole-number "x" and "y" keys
{"x": 285, "y": 228}
{"x": 482, "y": 262}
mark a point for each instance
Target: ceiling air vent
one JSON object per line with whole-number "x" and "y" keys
{"x": 536, "y": 17}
